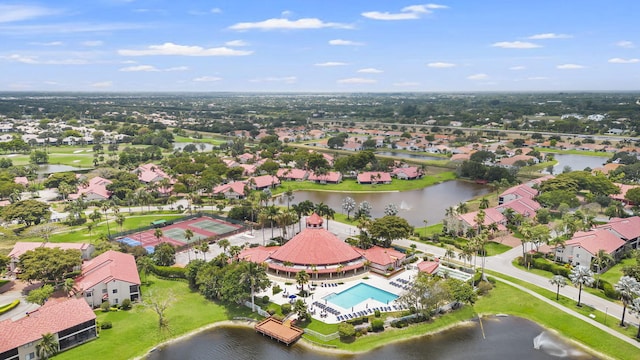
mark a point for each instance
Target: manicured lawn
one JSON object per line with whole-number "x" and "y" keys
{"x": 350, "y": 185}
{"x": 506, "y": 299}
{"x": 429, "y": 230}
{"x": 615, "y": 273}
{"x": 207, "y": 140}
{"x": 494, "y": 248}
{"x": 136, "y": 331}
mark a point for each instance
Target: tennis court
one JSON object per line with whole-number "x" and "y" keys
{"x": 202, "y": 228}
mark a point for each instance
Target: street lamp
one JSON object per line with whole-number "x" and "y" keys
{"x": 606, "y": 312}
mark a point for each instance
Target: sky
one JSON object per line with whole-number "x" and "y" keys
{"x": 319, "y": 46}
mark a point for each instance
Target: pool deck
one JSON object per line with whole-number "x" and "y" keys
{"x": 317, "y": 304}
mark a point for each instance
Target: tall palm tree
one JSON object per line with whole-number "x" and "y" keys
{"x": 581, "y": 275}
{"x": 255, "y": 275}
{"x": 602, "y": 260}
{"x": 47, "y": 347}
{"x": 348, "y": 205}
{"x": 634, "y": 308}
{"x": 628, "y": 288}
{"x": 484, "y": 203}
{"x": 204, "y": 247}
{"x": 157, "y": 233}
{"x": 302, "y": 277}
{"x": 144, "y": 265}
{"x": 463, "y": 208}
{"x": 559, "y": 281}
{"x": 120, "y": 218}
{"x": 224, "y": 244}
{"x": 449, "y": 253}
{"x": 288, "y": 195}
{"x": 105, "y": 207}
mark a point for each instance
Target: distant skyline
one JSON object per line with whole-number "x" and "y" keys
{"x": 319, "y": 46}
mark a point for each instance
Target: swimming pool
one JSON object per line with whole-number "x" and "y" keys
{"x": 359, "y": 293}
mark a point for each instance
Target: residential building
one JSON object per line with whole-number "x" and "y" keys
{"x": 627, "y": 229}
{"x": 96, "y": 189}
{"x": 234, "y": 190}
{"x": 86, "y": 250}
{"x": 584, "y": 246}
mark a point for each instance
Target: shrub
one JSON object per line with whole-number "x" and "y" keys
{"x": 170, "y": 272}
{"x": 484, "y": 287}
{"x": 265, "y": 300}
{"x": 608, "y": 289}
{"x": 346, "y": 330}
{"x": 105, "y": 306}
{"x": 276, "y": 289}
{"x": 126, "y": 304}
{"x": 106, "y": 325}
{"x": 286, "y": 308}
{"x": 376, "y": 313}
{"x": 377, "y": 325}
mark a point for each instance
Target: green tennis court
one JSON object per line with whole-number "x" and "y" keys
{"x": 214, "y": 226}
{"x": 178, "y": 234}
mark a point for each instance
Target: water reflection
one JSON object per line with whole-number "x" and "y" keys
{"x": 577, "y": 162}
{"x": 415, "y": 205}
{"x": 409, "y": 155}
{"x": 505, "y": 338}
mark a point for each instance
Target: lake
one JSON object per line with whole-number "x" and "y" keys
{"x": 409, "y": 155}
{"x": 56, "y": 168}
{"x": 180, "y": 146}
{"x": 505, "y": 338}
{"x": 577, "y": 162}
{"x": 414, "y": 205}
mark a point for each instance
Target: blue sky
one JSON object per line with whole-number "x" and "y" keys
{"x": 319, "y": 46}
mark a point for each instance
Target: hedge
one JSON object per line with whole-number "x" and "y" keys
{"x": 9, "y": 306}
{"x": 608, "y": 289}
{"x": 170, "y": 272}
{"x": 546, "y": 265}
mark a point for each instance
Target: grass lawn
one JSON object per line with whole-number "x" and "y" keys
{"x": 136, "y": 331}
{"x": 494, "y": 248}
{"x": 350, "y": 185}
{"x": 205, "y": 139}
{"x": 429, "y": 230}
{"x": 507, "y": 299}
{"x": 615, "y": 273}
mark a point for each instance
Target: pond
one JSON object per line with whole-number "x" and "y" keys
{"x": 56, "y": 168}
{"x": 199, "y": 146}
{"x": 577, "y": 162}
{"x": 409, "y": 155}
{"x": 428, "y": 203}
{"x": 504, "y": 338}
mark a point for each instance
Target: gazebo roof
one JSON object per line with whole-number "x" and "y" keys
{"x": 315, "y": 246}
{"x": 315, "y": 220}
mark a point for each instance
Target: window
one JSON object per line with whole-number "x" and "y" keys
{"x": 115, "y": 301}
{"x": 30, "y": 356}
{"x": 115, "y": 291}
{"x": 88, "y": 294}
{"x": 104, "y": 291}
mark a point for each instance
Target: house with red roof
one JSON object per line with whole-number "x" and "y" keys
{"x": 408, "y": 173}
{"x": 71, "y": 321}
{"x": 232, "y": 190}
{"x": 86, "y": 250}
{"x": 383, "y": 260}
{"x": 429, "y": 267}
{"x": 315, "y": 250}
{"x": 374, "y": 177}
{"x": 491, "y": 216}
{"x": 523, "y": 206}
{"x": 517, "y": 192}
{"x": 332, "y": 177}
{"x": 623, "y": 191}
{"x": 22, "y": 180}
{"x": 583, "y": 247}
{"x": 627, "y": 229}
{"x": 111, "y": 276}
{"x": 292, "y": 174}
{"x": 96, "y": 189}
{"x": 247, "y": 158}
{"x": 263, "y": 182}
{"x": 511, "y": 161}
{"x": 149, "y": 173}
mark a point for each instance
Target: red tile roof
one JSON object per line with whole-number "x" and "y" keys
{"x": 410, "y": 172}
{"x": 97, "y": 185}
{"x": 491, "y": 215}
{"x": 374, "y": 176}
{"x": 627, "y": 228}
{"x": 523, "y": 206}
{"x": 265, "y": 181}
{"x": 53, "y": 317}
{"x": 428, "y": 267}
{"x": 149, "y": 172}
{"x": 111, "y": 265}
{"x": 332, "y": 176}
{"x": 258, "y": 254}
{"x": 382, "y": 256}
{"x": 521, "y": 191}
{"x": 314, "y": 219}
{"x": 596, "y": 240}
{"x": 236, "y": 186}
{"x": 292, "y": 174}
{"x": 315, "y": 247}
{"x": 22, "y": 247}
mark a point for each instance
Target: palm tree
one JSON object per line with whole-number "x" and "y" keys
{"x": 602, "y": 260}
{"x": 628, "y": 288}
{"x": 466, "y": 254}
{"x": 47, "y": 347}
{"x": 484, "y": 203}
{"x": 68, "y": 285}
{"x": 256, "y": 276}
{"x": 463, "y": 208}
{"x": 105, "y": 207}
{"x": 120, "y": 220}
{"x": 634, "y": 308}
{"x": 559, "y": 281}
{"x": 224, "y": 244}
{"x": 302, "y": 277}
{"x": 425, "y": 222}
{"x": 204, "y": 247}
{"x": 145, "y": 265}
{"x": 581, "y": 275}
{"x": 348, "y": 205}
{"x": 288, "y": 195}
{"x": 157, "y": 233}
{"x": 449, "y": 253}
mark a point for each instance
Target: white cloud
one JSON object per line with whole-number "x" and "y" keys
{"x": 357, "y": 81}
{"x": 370, "y": 71}
{"x": 410, "y": 12}
{"x": 478, "y": 77}
{"x": 215, "y": 11}
{"x": 102, "y": 84}
{"x": 406, "y": 84}
{"x": 177, "y": 68}
{"x": 286, "y": 13}
{"x": 340, "y": 42}
{"x": 136, "y": 68}
{"x": 537, "y": 78}
{"x": 92, "y": 43}
{"x": 236, "y": 43}
{"x": 570, "y": 67}
{"x": 69, "y": 28}
{"x": 515, "y": 45}
{"x": 207, "y": 79}
{"x": 21, "y": 58}
{"x": 518, "y": 67}
{"x": 284, "y": 79}
{"x": 34, "y": 60}
{"x": 183, "y": 50}
{"x": 52, "y": 43}
{"x": 624, "y": 61}
{"x": 331, "y": 63}
{"x": 13, "y": 13}
{"x": 549, "y": 36}
{"x": 441, "y": 65}
{"x": 625, "y": 44}
{"x": 286, "y": 24}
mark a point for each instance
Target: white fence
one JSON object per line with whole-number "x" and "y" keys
{"x": 257, "y": 308}
{"x": 323, "y": 337}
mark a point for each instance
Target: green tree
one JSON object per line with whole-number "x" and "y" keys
{"x": 628, "y": 288}
{"x": 224, "y": 244}
{"x": 634, "y": 308}
{"x": 601, "y": 261}
{"x": 581, "y": 275}
{"x": 68, "y": 285}
{"x": 302, "y": 278}
{"x": 159, "y": 303}
{"x": 461, "y": 292}
{"x": 40, "y": 295}
{"x": 559, "y": 281}
{"x": 300, "y": 308}
{"x": 425, "y": 294}
{"x": 346, "y": 331}
{"x": 164, "y": 254}
{"x": 633, "y": 196}
{"x": 144, "y": 265}
{"x": 49, "y": 265}
{"x": 29, "y": 212}
{"x": 47, "y": 347}
{"x": 389, "y": 228}
{"x": 255, "y": 277}
{"x": 348, "y": 205}
{"x": 38, "y": 157}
